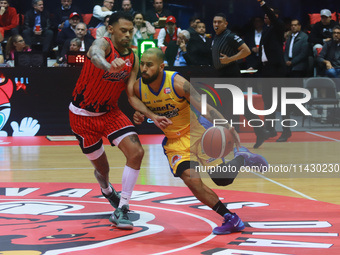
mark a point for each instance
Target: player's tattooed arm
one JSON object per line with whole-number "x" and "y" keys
{"x": 191, "y": 94}
{"x": 97, "y": 53}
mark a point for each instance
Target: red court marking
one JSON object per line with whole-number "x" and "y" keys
{"x": 157, "y": 139}
{"x": 72, "y": 218}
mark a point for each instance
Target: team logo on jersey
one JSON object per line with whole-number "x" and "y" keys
{"x": 167, "y": 91}
{"x": 128, "y": 62}
{"x": 175, "y": 159}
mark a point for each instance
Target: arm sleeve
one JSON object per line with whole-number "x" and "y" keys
{"x": 13, "y": 17}
{"x": 315, "y": 36}
{"x": 150, "y": 30}
{"x": 323, "y": 53}
{"x": 161, "y": 37}
{"x": 99, "y": 14}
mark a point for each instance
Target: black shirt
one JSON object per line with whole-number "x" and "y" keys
{"x": 226, "y": 43}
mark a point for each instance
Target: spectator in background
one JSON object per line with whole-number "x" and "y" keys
{"x": 322, "y": 31}
{"x": 68, "y": 32}
{"x": 273, "y": 65}
{"x": 252, "y": 39}
{"x": 330, "y": 55}
{"x": 296, "y": 51}
{"x": 176, "y": 52}
{"x": 102, "y": 31}
{"x": 169, "y": 33}
{"x": 62, "y": 14}
{"x": 2, "y": 59}
{"x": 193, "y": 21}
{"x": 15, "y": 43}
{"x": 37, "y": 26}
{"x": 158, "y": 12}
{"x": 8, "y": 20}
{"x": 127, "y": 7}
{"x": 199, "y": 47}
{"x": 75, "y": 45}
{"x": 142, "y": 28}
{"x": 83, "y": 36}
{"x": 100, "y": 12}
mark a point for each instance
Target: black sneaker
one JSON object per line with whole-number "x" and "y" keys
{"x": 120, "y": 218}
{"x": 113, "y": 198}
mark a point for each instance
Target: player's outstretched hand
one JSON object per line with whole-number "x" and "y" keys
{"x": 236, "y": 137}
{"x": 162, "y": 122}
{"x": 138, "y": 117}
{"x": 116, "y": 65}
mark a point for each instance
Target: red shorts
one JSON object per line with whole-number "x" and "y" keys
{"x": 89, "y": 130}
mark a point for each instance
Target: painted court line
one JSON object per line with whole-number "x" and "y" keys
{"x": 284, "y": 186}
{"x": 326, "y": 137}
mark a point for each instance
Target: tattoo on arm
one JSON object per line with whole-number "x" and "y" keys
{"x": 190, "y": 91}
{"x": 97, "y": 54}
{"x": 186, "y": 87}
{"x": 214, "y": 115}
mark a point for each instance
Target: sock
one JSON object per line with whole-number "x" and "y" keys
{"x": 107, "y": 191}
{"x": 129, "y": 180}
{"x": 220, "y": 208}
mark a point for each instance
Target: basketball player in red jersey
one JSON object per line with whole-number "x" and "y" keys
{"x": 109, "y": 68}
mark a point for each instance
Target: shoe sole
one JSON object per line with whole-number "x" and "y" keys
{"x": 122, "y": 226}
{"x": 238, "y": 229}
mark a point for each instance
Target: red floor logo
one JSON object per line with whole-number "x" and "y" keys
{"x": 72, "y": 218}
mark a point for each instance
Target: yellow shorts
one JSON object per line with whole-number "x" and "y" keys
{"x": 187, "y": 147}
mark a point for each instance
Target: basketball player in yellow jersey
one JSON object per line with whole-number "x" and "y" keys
{"x": 168, "y": 94}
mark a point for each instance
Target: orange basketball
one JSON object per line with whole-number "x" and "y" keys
{"x": 217, "y": 142}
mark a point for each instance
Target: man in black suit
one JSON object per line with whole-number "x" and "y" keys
{"x": 272, "y": 64}
{"x": 199, "y": 47}
{"x": 296, "y": 51}
{"x": 37, "y": 26}
{"x": 85, "y": 38}
{"x": 158, "y": 12}
{"x": 252, "y": 39}
{"x": 62, "y": 14}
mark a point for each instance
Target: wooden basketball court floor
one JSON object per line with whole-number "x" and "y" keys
{"x": 305, "y": 174}
{"x": 302, "y": 167}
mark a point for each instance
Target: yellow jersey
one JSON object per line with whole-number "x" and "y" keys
{"x": 166, "y": 102}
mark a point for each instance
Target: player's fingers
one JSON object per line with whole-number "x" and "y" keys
{"x": 113, "y": 64}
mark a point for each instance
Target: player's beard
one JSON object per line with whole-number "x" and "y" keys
{"x": 151, "y": 78}
{"x": 125, "y": 43}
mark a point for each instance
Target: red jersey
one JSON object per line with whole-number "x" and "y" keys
{"x": 98, "y": 90}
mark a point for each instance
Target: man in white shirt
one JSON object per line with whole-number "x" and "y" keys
{"x": 100, "y": 12}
